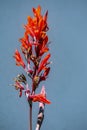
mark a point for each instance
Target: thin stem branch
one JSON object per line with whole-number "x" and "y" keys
{"x": 30, "y": 117}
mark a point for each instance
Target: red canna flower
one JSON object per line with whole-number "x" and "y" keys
{"x": 43, "y": 63}
{"x": 37, "y": 26}
{"x": 26, "y": 46}
{"x": 18, "y": 59}
{"x": 40, "y": 97}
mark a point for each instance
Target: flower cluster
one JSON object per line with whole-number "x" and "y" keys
{"x": 35, "y": 48}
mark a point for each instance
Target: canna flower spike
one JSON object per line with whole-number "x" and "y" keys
{"x": 35, "y": 49}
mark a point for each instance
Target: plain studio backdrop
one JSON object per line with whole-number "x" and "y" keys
{"x": 66, "y": 85}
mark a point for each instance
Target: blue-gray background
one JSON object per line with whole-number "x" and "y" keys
{"x": 67, "y": 83}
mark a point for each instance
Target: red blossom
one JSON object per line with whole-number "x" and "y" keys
{"x": 35, "y": 49}
{"x": 18, "y": 59}
{"x": 37, "y": 26}
{"x": 37, "y": 11}
{"x": 43, "y": 63}
{"x": 34, "y": 44}
{"x": 40, "y": 97}
{"x": 25, "y": 42}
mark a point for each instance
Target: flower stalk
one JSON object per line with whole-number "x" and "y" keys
{"x": 30, "y": 115}
{"x": 35, "y": 48}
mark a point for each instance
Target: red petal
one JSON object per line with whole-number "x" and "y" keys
{"x": 46, "y": 15}
{"x": 43, "y": 62}
{"x": 39, "y": 98}
{"x": 18, "y": 58}
{"x": 37, "y": 11}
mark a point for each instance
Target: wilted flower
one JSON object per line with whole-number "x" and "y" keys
{"x": 20, "y": 78}
{"x": 19, "y": 87}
